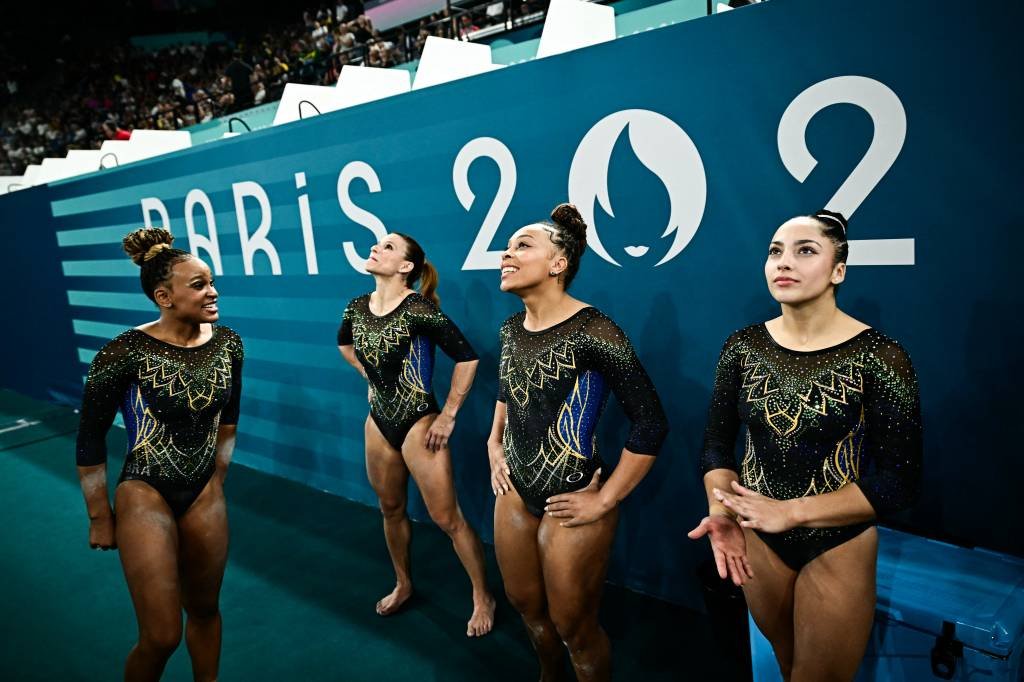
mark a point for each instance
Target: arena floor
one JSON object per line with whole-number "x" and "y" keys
{"x": 304, "y": 572}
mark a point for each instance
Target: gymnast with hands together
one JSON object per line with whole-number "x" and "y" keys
{"x": 832, "y": 442}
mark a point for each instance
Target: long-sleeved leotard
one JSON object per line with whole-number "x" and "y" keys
{"x": 815, "y": 422}
{"x": 172, "y": 399}
{"x": 555, "y": 383}
{"x": 397, "y": 352}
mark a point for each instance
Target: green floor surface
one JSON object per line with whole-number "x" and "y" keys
{"x": 304, "y": 572}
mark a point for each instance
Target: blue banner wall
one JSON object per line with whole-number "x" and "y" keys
{"x": 688, "y": 146}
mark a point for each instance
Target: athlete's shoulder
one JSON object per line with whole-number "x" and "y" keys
{"x": 511, "y": 321}
{"x": 227, "y": 335}
{"x": 123, "y": 342}
{"x": 886, "y": 350}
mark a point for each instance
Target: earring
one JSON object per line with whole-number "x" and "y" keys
{"x": 552, "y": 274}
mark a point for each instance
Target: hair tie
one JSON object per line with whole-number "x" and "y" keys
{"x": 837, "y": 221}
{"x": 154, "y": 250}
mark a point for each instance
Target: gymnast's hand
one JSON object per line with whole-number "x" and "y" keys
{"x": 727, "y": 544}
{"x": 757, "y": 511}
{"x": 439, "y": 432}
{"x": 101, "y": 532}
{"x": 500, "y": 482}
{"x": 581, "y": 507}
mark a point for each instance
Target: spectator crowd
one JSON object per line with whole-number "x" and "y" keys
{"x": 98, "y": 93}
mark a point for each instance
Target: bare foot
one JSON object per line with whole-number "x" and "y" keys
{"x": 482, "y": 620}
{"x": 393, "y": 602}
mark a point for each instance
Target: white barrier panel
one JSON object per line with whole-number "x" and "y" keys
{"x": 446, "y": 60}
{"x": 302, "y": 101}
{"x": 31, "y": 176}
{"x": 77, "y": 162}
{"x": 9, "y": 183}
{"x": 572, "y": 24}
{"x": 722, "y": 7}
{"x": 143, "y": 144}
{"x": 53, "y": 169}
{"x": 114, "y": 153}
{"x": 362, "y": 84}
{"x": 149, "y": 143}
{"x": 84, "y": 160}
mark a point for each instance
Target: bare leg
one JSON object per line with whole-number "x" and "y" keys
{"x": 575, "y": 561}
{"x": 432, "y": 472}
{"x": 388, "y": 477}
{"x": 770, "y": 599}
{"x": 203, "y": 532}
{"x": 515, "y": 543}
{"x": 834, "y": 609}
{"x": 147, "y": 540}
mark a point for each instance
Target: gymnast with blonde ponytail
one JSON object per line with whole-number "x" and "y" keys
{"x": 389, "y": 337}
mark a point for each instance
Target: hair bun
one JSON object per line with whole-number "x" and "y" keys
{"x": 832, "y": 218}
{"x": 568, "y": 217}
{"x": 146, "y": 242}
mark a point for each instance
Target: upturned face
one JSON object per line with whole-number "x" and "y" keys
{"x": 801, "y": 263}
{"x": 529, "y": 259}
{"x": 387, "y": 257}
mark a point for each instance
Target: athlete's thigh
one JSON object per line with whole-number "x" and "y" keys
{"x": 575, "y": 561}
{"x": 769, "y": 596}
{"x": 203, "y": 533}
{"x": 384, "y": 466}
{"x": 431, "y": 470}
{"x": 515, "y": 545}
{"x": 834, "y": 608}
{"x": 147, "y": 541}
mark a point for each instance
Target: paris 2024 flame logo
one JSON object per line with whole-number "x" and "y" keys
{"x": 666, "y": 150}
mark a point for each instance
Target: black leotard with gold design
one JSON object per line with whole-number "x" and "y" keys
{"x": 172, "y": 399}
{"x": 397, "y": 352}
{"x": 815, "y": 422}
{"x": 555, "y": 383}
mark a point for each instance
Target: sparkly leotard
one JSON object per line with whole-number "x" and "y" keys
{"x": 555, "y": 383}
{"x": 815, "y": 422}
{"x": 172, "y": 399}
{"x": 397, "y": 352}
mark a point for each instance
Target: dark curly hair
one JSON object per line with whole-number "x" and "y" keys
{"x": 150, "y": 249}
{"x": 568, "y": 233}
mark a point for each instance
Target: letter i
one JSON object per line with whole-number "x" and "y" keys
{"x": 307, "y": 225}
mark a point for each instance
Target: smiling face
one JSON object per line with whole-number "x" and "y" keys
{"x": 801, "y": 263}
{"x": 530, "y": 259}
{"x": 188, "y": 293}
{"x": 388, "y": 257}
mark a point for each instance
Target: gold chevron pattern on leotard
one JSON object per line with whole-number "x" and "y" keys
{"x": 199, "y": 389}
{"x": 548, "y": 367}
{"x": 783, "y": 410}
{"x": 154, "y": 451}
{"x": 374, "y": 344}
{"x": 844, "y": 465}
{"x": 411, "y": 389}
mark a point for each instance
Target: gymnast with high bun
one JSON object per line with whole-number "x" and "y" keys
{"x": 177, "y": 382}
{"x": 831, "y": 423}
{"x": 555, "y": 514}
